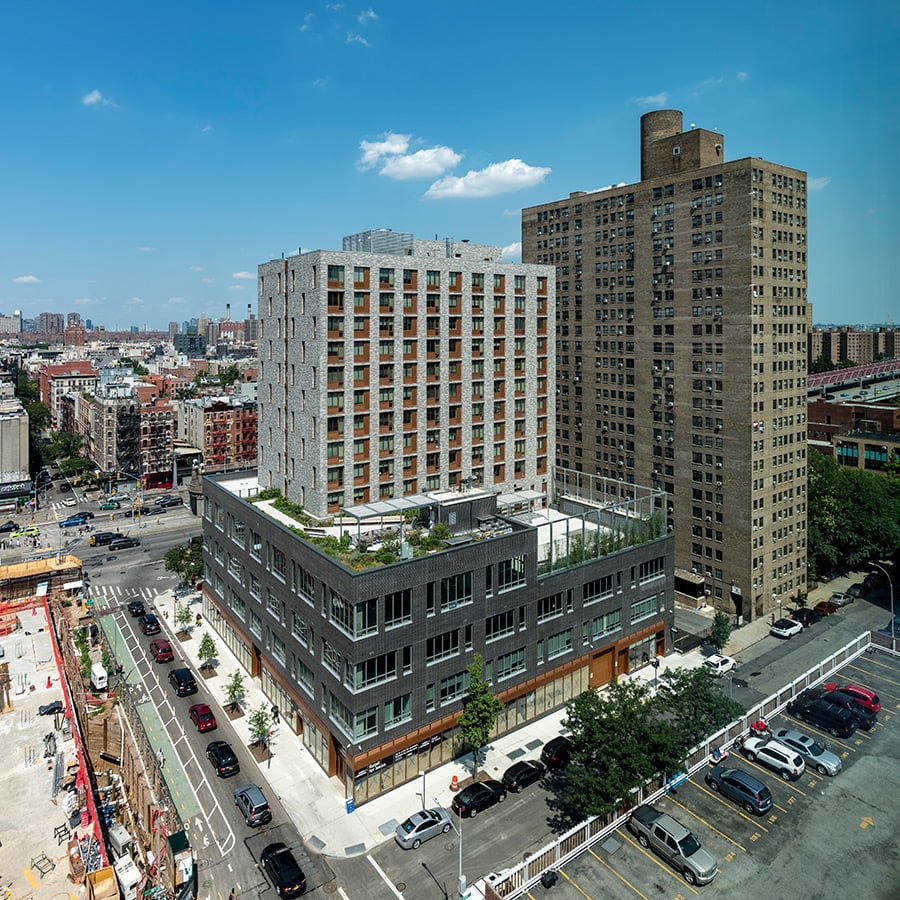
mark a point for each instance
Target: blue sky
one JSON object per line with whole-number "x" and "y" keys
{"x": 153, "y": 155}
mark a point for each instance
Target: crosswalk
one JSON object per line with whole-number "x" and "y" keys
{"x": 117, "y": 594}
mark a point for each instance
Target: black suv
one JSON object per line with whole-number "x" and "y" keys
{"x": 280, "y": 865}
{"x": 865, "y": 718}
{"x": 183, "y": 682}
{"x": 149, "y": 623}
{"x": 123, "y": 543}
{"x": 556, "y": 753}
{"x": 836, "y": 720}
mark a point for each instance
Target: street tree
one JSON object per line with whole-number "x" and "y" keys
{"x": 479, "y": 717}
{"x": 234, "y": 690}
{"x": 183, "y": 617}
{"x": 207, "y": 651}
{"x": 720, "y": 631}
{"x": 185, "y": 561}
{"x": 260, "y": 723}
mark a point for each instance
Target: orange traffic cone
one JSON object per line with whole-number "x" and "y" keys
{"x": 454, "y": 783}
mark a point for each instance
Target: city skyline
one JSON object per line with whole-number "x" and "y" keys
{"x": 149, "y": 172}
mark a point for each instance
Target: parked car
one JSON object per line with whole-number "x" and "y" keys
{"x": 785, "y": 628}
{"x": 101, "y": 538}
{"x": 839, "y": 598}
{"x": 817, "y": 757}
{"x": 202, "y": 716}
{"x": 109, "y": 504}
{"x": 139, "y": 511}
{"x": 182, "y": 680}
{"x": 6, "y": 527}
{"x": 478, "y": 797}
{"x": 826, "y": 608}
{"x": 857, "y": 590}
{"x": 805, "y": 617}
{"x": 149, "y": 624}
{"x": 252, "y": 803}
{"x": 775, "y": 755}
{"x": 671, "y": 840}
{"x": 287, "y": 877}
{"x": 168, "y": 500}
{"x": 719, "y": 664}
{"x": 862, "y": 695}
{"x": 836, "y": 720}
{"x": 865, "y": 718}
{"x": 521, "y": 774}
{"x": 136, "y": 608}
{"x": 161, "y": 651}
{"x": 123, "y": 543}
{"x": 422, "y": 826}
{"x": 741, "y": 787}
{"x": 74, "y": 521}
{"x": 65, "y": 487}
{"x": 223, "y": 759}
{"x": 556, "y": 753}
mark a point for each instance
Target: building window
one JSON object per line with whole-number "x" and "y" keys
{"x": 375, "y": 671}
{"x": 279, "y": 565}
{"x": 456, "y": 591}
{"x": 500, "y": 625}
{"x": 598, "y": 589}
{"x": 239, "y": 606}
{"x": 398, "y": 608}
{"x": 273, "y": 605}
{"x": 341, "y": 714}
{"x": 398, "y": 711}
{"x": 559, "y": 644}
{"x": 341, "y": 613}
{"x": 510, "y": 573}
{"x": 643, "y": 609}
{"x": 600, "y": 626}
{"x": 551, "y": 607}
{"x": 306, "y": 586}
{"x": 453, "y": 687}
{"x": 511, "y": 664}
{"x": 278, "y": 649}
{"x": 442, "y": 646}
{"x": 300, "y": 630}
{"x": 303, "y": 675}
{"x": 255, "y": 624}
{"x": 365, "y": 618}
{"x": 652, "y": 569}
{"x": 331, "y": 659}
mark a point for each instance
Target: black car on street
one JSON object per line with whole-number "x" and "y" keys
{"x": 477, "y": 797}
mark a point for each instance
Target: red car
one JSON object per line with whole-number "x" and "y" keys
{"x": 863, "y": 696}
{"x": 202, "y": 716}
{"x": 162, "y": 651}
{"x": 826, "y": 608}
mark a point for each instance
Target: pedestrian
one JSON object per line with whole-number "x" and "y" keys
{"x": 160, "y": 758}
{"x": 275, "y": 714}
{"x": 231, "y": 895}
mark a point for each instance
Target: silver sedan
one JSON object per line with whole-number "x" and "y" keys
{"x": 422, "y": 826}
{"x": 817, "y": 757}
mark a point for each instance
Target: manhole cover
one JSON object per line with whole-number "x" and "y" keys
{"x": 329, "y": 888}
{"x": 401, "y": 886}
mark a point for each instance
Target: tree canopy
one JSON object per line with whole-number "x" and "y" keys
{"x": 625, "y": 735}
{"x": 185, "y": 561}
{"x": 854, "y": 515}
{"x": 481, "y": 709}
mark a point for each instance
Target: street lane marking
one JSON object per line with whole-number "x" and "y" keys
{"x": 707, "y": 824}
{"x": 384, "y": 878}
{"x": 612, "y": 871}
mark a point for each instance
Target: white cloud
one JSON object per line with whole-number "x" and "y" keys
{"x": 207, "y": 280}
{"x": 715, "y": 81}
{"x": 95, "y": 98}
{"x": 237, "y": 287}
{"x": 27, "y": 279}
{"x": 367, "y": 15}
{"x": 308, "y": 20}
{"x": 83, "y": 301}
{"x": 134, "y": 301}
{"x": 372, "y": 151}
{"x": 320, "y": 82}
{"x": 176, "y": 299}
{"x": 334, "y": 7}
{"x": 742, "y": 76}
{"x": 818, "y": 184}
{"x": 146, "y": 249}
{"x": 353, "y": 38}
{"x": 497, "y": 178}
{"x": 206, "y": 129}
{"x": 653, "y": 99}
{"x": 197, "y": 268}
{"x": 513, "y": 252}
{"x": 244, "y": 275}
{"x": 421, "y": 164}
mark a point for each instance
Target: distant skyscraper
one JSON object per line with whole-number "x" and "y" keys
{"x": 88, "y": 324}
{"x": 173, "y": 329}
{"x": 682, "y": 318}
{"x": 73, "y": 318}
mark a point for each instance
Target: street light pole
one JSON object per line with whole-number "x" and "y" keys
{"x": 461, "y": 885}
{"x": 891, "y": 588}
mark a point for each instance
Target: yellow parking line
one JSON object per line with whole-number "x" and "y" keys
{"x": 653, "y": 858}
{"x": 31, "y": 879}
{"x": 580, "y": 891}
{"x": 734, "y": 806}
{"x": 707, "y": 824}
{"x": 621, "y": 878}
{"x": 882, "y": 665}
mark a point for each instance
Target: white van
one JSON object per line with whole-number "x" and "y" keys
{"x": 98, "y": 677}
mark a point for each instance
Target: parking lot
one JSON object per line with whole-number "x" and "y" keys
{"x": 823, "y": 837}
